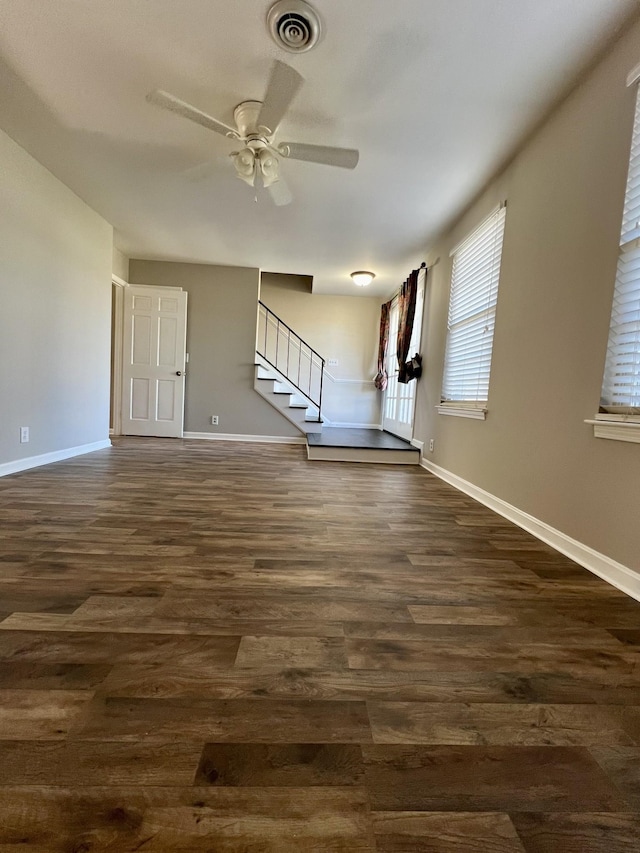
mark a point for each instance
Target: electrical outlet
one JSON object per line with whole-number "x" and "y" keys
{"x": 431, "y": 445}
{"x": 24, "y": 435}
{"x": 214, "y": 420}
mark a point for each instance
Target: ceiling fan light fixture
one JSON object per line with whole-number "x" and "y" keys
{"x": 245, "y": 163}
{"x": 269, "y": 167}
{"x": 257, "y": 163}
{"x": 362, "y": 277}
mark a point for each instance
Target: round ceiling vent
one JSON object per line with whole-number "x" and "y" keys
{"x": 294, "y": 25}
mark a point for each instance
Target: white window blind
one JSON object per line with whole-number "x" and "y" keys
{"x": 472, "y": 309}
{"x": 621, "y": 385}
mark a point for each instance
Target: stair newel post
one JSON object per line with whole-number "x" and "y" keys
{"x": 320, "y": 395}
{"x": 288, "y": 347}
{"x": 266, "y": 331}
{"x": 277, "y": 342}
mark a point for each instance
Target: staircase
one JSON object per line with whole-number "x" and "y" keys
{"x": 289, "y": 375}
{"x": 285, "y": 397}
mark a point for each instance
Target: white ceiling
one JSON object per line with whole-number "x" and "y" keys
{"x": 434, "y": 93}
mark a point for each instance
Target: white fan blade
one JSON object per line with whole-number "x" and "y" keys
{"x": 182, "y": 108}
{"x": 280, "y": 193}
{"x": 345, "y": 158}
{"x": 281, "y": 90}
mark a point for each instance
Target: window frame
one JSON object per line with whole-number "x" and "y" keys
{"x": 620, "y": 421}
{"x": 486, "y": 262}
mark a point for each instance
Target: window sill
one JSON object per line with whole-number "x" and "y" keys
{"x": 616, "y": 430}
{"x": 460, "y": 411}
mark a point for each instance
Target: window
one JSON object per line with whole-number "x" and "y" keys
{"x": 472, "y": 311}
{"x": 620, "y": 401}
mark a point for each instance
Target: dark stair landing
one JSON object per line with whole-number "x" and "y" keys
{"x": 361, "y": 445}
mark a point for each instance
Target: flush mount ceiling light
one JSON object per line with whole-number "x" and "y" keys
{"x": 362, "y": 278}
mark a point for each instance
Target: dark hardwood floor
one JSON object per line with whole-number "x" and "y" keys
{"x": 226, "y": 648}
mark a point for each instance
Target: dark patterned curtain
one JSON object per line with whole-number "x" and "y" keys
{"x": 407, "y": 311}
{"x": 381, "y": 378}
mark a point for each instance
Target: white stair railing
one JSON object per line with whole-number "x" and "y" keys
{"x": 292, "y": 357}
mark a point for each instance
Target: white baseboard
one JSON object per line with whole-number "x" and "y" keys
{"x": 47, "y": 458}
{"x": 233, "y": 436}
{"x": 617, "y": 574}
{"x": 418, "y": 444}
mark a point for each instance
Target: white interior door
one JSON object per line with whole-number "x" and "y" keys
{"x": 399, "y": 399}
{"x": 154, "y": 336}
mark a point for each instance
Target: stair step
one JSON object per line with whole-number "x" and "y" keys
{"x": 283, "y": 397}
{"x": 362, "y": 454}
{"x": 265, "y": 373}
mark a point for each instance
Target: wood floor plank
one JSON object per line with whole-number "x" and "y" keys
{"x": 81, "y": 581}
{"x": 183, "y": 820}
{"x": 445, "y": 832}
{"x": 21, "y": 675}
{"x": 487, "y": 778}
{"x": 622, "y": 765}
{"x": 296, "y": 765}
{"x": 236, "y": 721}
{"x": 291, "y": 652}
{"x": 489, "y": 612}
{"x": 197, "y": 680}
{"x": 97, "y": 607}
{"x": 86, "y": 647}
{"x": 132, "y": 624}
{"x": 290, "y": 609}
{"x": 479, "y": 636}
{"x": 480, "y": 723}
{"x": 629, "y": 636}
{"x": 40, "y": 714}
{"x": 578, "y": 833}
{"x": 425, "y": 654}
{"x": 75, "y": 763}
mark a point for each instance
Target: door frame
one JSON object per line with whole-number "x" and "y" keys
{"x": 117, "y": 338}
{"x": 391, "y": 359}
{"x": 121, "y": 348}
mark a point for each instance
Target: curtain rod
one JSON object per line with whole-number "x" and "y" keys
{"x": 423, "y": 266}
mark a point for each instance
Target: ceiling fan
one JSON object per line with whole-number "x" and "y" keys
{"x": 258, "y": 161}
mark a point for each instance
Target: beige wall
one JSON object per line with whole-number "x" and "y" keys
{"x": 120, "y": 264}
{"x": 338, "y": 327}
{"x": 565, "y": 193}
{"x": 55, "y": 270}
{"x": 221, "y": 335}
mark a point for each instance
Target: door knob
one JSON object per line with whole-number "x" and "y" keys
{"x": 178, "y": 373}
